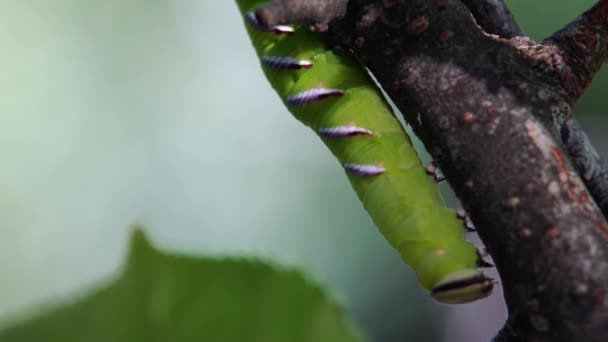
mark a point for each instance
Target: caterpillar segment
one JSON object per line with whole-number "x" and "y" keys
{"x": 334, "y": 96}
{"x": 462, "y": 287}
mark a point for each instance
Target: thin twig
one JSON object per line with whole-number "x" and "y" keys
{"x": 584, "y": 45}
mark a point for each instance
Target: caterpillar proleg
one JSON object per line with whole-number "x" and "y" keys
{"x": 334, "y": 96}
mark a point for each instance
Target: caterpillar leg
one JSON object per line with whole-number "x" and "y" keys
{"x": 481, "y": 254}
{"x": 433, "y": 169}
{"x": 462, "y": 214}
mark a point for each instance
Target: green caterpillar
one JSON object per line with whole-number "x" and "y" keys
{"x": 332, "y": 94}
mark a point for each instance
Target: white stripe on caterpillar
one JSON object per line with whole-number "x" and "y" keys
{"x": 312, "y": 95}
{"x": 282, "y": 29}
{"x": 364, "y": 170}
{"x": 285, "y": 63}
{"x": 343, "y": 131}
{"x": 255, "y": 23}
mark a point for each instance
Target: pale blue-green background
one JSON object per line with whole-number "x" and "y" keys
{"x": 121, "y": 111}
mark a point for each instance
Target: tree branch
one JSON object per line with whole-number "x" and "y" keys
{"x": 494, "y": 17}
{"x": 531, "y": 209}
{"x": 584, "y": 45}
{"x": 490, "y": 109}
{"x": 588, "y": 163}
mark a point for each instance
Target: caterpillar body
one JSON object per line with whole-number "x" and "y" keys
{"x": 333, "y": 95}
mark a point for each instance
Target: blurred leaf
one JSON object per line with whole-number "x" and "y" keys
{"x": 164, "y": 297}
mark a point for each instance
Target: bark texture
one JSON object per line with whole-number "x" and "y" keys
{"x": 490, "y": 106}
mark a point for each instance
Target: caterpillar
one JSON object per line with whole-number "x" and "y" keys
{"x": 335, "y": 96}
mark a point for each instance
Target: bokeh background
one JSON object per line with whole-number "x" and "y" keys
{"x": 115, "y": 112}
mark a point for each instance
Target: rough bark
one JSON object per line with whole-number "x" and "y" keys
{"x": 583, "y": 46}
{"x": 489, "y": 106}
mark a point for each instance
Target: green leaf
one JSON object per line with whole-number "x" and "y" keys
{"x": 167, "y": 297}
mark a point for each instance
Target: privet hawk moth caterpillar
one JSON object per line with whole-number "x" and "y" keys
{"x": 332, "y": 94}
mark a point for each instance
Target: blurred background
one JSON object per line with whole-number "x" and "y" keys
{"x": 156, "y": 112}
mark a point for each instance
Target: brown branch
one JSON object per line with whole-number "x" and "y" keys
{"x": 494, "y": 17}
{"x": 490, "y": 110}
{"x": 588, "y": 163}
{"x": 584, "y": 46}
{"x": 530, "y": 207}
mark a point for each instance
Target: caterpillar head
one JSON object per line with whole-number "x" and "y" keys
{"x": 462, "y": 286}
